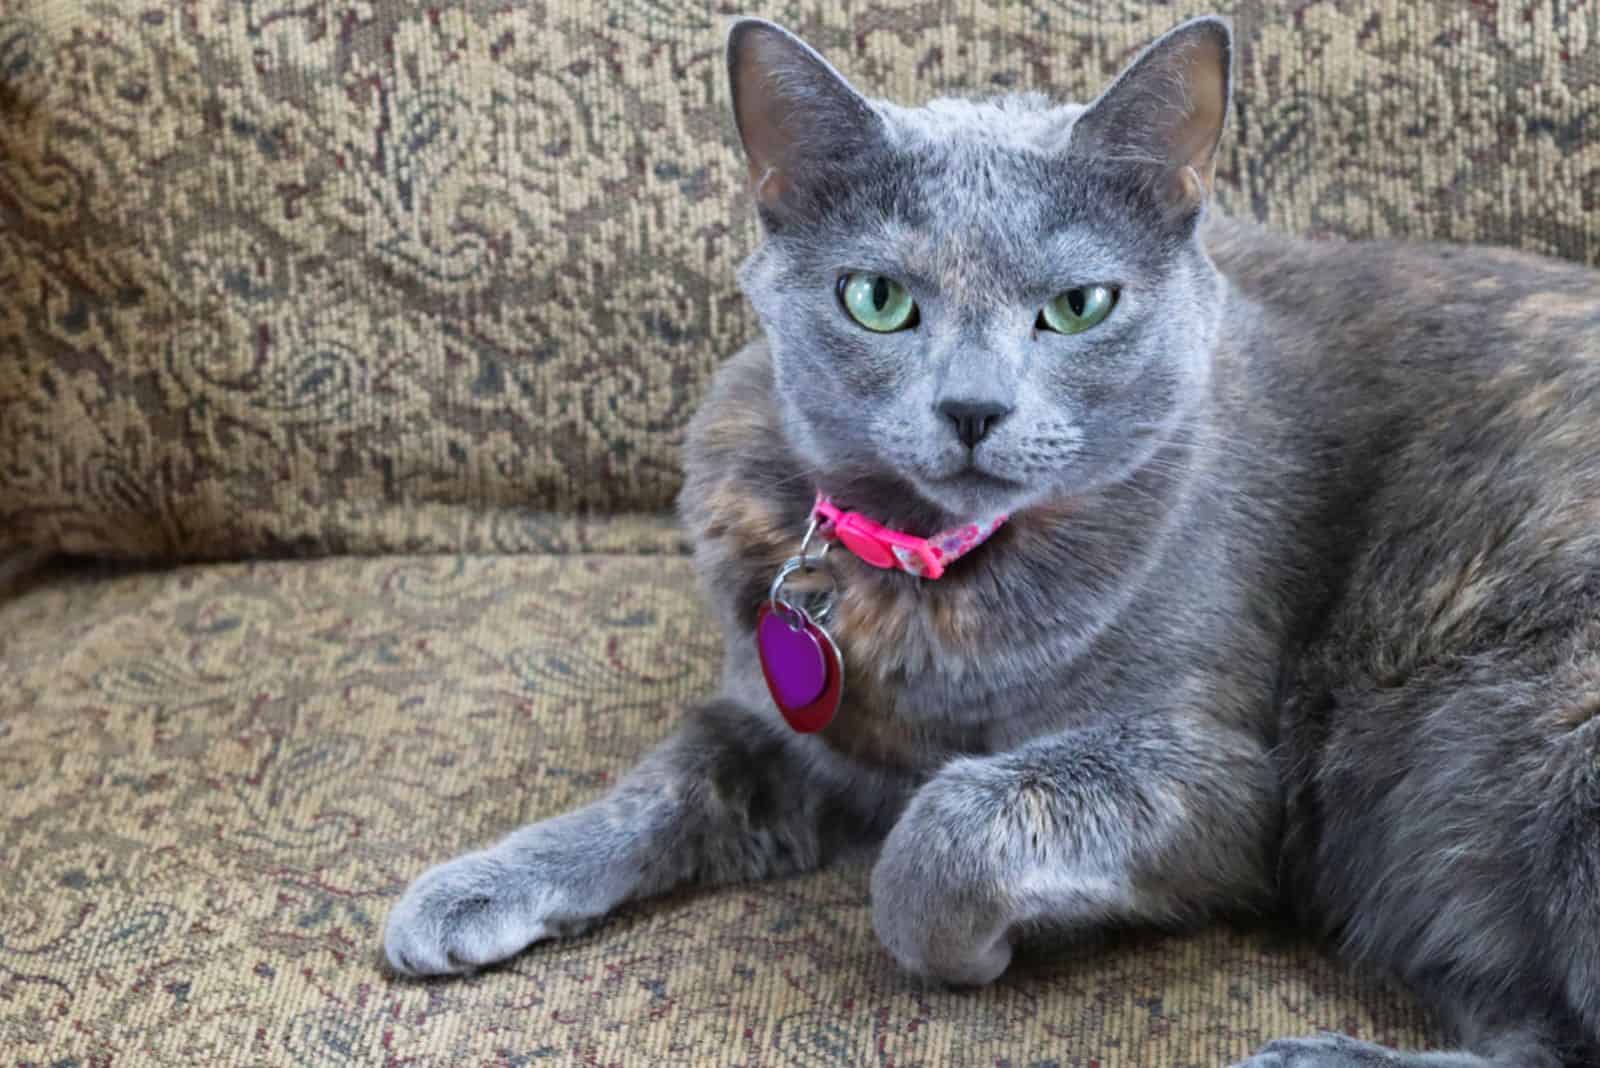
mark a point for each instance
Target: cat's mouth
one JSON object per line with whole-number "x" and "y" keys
{"x": 972, "y": 491}
{"x": 973, "y": 475}
{"x": 970, "y": 470}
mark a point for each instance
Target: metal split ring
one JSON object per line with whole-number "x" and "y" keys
{"x": 789, "y": 568}
{"x": 807, "y": 564}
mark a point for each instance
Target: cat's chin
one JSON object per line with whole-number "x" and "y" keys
{"x": 971, "y": 494}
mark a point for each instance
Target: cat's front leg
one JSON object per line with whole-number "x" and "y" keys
{"x": 1162, "y": 820}
{"x": 1342, "y": 1051}
{"x": 725, "y": 798}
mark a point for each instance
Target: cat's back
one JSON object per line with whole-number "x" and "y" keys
{"x": 1399, "y": 359}
{"x": 1448, "y": 398}
{"x": 1427, "y": 316}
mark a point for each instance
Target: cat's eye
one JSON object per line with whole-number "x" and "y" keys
{"x": 877, "y": 302}
{"x": 1078, "y": 309}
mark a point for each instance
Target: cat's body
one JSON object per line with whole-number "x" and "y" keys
{"x": 1319, "y": 622}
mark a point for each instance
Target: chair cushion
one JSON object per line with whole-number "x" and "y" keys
{"x": 217, "y": 779}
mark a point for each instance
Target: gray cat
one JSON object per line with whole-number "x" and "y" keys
{"x": 1298, "y": 602}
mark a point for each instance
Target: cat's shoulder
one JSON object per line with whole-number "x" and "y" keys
{"x": 735, "y": 447}
{"x": 739, "y": 405}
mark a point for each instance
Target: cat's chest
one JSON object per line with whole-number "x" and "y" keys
{"x": 929, "y": 674}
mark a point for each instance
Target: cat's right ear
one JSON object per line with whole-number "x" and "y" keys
{"x": 797, "y": 116}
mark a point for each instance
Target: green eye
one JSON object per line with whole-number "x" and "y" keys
{"x": 1078, "y": 309}
{"x": 877, "y": 302}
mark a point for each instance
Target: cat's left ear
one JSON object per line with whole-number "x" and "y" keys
{"x": 1167, "y": 108}
{"x": 797, "y": 116}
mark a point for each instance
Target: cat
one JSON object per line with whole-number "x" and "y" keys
{"x": 1292, "y": 600}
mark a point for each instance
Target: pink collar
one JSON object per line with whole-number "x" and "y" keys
{"x": 881, "y": 547}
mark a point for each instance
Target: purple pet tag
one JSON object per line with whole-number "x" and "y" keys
{"x": 792, "y": 657}
{"x": 801, "y": 665}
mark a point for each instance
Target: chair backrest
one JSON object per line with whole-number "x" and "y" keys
{"x": 448, "y": 275}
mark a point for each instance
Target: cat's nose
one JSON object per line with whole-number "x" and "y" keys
{"x": 973, "y": 419}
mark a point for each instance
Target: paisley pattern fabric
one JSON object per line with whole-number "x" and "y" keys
{"x": 217, "y": 779}
{"x": 333, "y": 276}
{"x": 299, "y": 277}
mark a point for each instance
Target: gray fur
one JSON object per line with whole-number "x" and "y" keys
{"x": 1299, "y": 604}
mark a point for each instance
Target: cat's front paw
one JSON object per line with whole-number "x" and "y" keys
{"x": 938, "y": 903}
{"x": 475, "y": 910}
{"x": 1325, "y": 1051}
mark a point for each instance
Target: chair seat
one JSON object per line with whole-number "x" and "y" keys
{"x": 217, "y": 779}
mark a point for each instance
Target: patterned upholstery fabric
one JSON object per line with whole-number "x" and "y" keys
{"x": 300, "y": 277}
{"x": 216, "y": 779}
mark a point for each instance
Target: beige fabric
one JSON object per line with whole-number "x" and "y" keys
{"x": 298, "y": 278}
{"x": 310, "y": 277}
{"x": 217, "y": 779}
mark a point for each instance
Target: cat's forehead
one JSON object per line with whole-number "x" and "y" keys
{"x": 991, "y": 190}
{"x": 976, "y": 165}
{"x": 981, "y": 200}
{"x": 1026, "y": 122}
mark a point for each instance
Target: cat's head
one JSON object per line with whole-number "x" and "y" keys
{"x": 975, "y": 306}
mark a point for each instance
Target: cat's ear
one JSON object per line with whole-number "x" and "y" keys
{"x": 1167, "y": 108}
{"x": 796, "y": 115}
